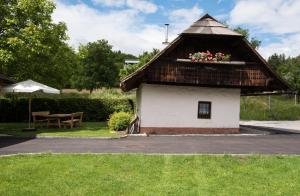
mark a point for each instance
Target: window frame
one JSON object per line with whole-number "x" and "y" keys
{"x": 204, "y": 116}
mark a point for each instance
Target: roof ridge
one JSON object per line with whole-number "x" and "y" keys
{"x": 206, "y": 16}
{"x": 208, "y": 25}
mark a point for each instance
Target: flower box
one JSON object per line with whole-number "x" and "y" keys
{"x": 208, "y": 56}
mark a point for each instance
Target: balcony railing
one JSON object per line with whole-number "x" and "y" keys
{"x": 208, "y": 74}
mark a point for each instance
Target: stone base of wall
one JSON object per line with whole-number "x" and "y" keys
{"x": 187, "y": 130}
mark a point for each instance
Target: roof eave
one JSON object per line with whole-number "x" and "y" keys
{"x": 142, "y": 68}
{"x": 229, "y": 35}
{"x": 288, "y": 87}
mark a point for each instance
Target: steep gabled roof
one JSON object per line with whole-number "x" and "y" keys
{"x": 208, "y": 25}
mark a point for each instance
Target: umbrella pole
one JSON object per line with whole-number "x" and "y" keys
{"x": 29, "y": 113}
{"x": 29, "y": 117}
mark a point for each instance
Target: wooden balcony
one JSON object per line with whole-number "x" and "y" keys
{"x": 209, "y": 74}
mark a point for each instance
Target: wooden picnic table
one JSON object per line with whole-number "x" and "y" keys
{"x": 57, "y": 118}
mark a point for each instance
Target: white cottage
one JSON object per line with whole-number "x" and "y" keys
{"x": 194, "y": 85}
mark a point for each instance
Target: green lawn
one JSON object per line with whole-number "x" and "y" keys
{"x": 88, "y": 129}
{"x": 68, "y": 174}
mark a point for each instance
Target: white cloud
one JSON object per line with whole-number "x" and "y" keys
{"x": 289, "y": 45}
{"x": 140, "y": 5}
{"x": 110, "y": 3}
{"x": 221, "y": 17}
{"x": 124, "y": 29}
{"x": 275, "y": 16}
{"x": 183, "y": 18}
{"x": 278, "y": 17}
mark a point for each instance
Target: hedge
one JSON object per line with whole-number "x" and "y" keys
{"x": 16, "y": 110}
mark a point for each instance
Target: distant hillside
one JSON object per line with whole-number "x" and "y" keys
{"x": 282, "y": 108}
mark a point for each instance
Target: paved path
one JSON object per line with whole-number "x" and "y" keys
{"x": 267, "y": 144}
{"x": 282, "y": 125}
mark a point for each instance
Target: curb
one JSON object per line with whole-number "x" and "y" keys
{"x": 198, "y": 135}
{"x": 273, "y": 130}
{"x": 62, "y": 137}
{"x": 138, "y": 135}
{"x": 147, "y": 154}
{"x": 207, "y": 135}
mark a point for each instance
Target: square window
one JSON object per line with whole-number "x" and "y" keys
{"x": 204, "y": 109}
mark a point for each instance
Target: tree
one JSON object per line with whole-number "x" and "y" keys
{"x": 143, "y": 59}
{"x": 253, "y": 41}
{"x": 292, "y": 72}
{"x": 120, "y": 58}
{"x": 288, "y": 68}
{"x": 276, "y": 61}
{"x": 31, "y": 45}
{"x": 97, "y": 68}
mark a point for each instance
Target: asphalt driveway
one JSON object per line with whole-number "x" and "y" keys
{"x": 293, "y": 126}
{"x": 262, "y": 144}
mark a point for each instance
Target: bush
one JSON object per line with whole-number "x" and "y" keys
{"x": 16, "y": 110}
{"x": 119, "y": 121}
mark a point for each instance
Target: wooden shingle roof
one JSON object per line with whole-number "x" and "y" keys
{"x": 208, "y": 25}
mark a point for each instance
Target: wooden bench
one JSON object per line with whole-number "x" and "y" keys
{"x": 40, "y": 118}
{"x": 75, "y": 119}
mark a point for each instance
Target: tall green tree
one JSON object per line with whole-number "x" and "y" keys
{"x": 32, "y": 45}
{"x": 98, "y": 67}
{"x": 288, "y": 68}
{"x": 143, "y": 59}
{"x": 277, "y": 61}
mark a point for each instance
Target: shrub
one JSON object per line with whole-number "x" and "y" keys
{"x": 16, "y": 110}
{"x": 119, "y": 121}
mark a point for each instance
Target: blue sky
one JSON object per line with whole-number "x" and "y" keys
{"x": 135, "y": 26}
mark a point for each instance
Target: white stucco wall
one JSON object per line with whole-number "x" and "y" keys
{"x": 177, "y": 106}
{"x": 138, "y": 101}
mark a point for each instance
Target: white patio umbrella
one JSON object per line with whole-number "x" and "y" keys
{"x": 30, "y": 87}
